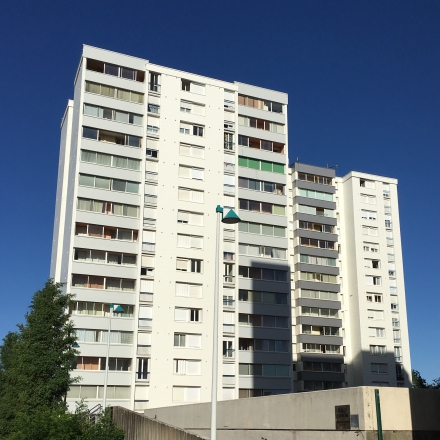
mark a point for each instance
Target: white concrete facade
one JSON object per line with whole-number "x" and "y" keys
{"x": 146, "y": 155}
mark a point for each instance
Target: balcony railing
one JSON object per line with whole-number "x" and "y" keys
{"x": 229, "y": 353}
{"x": 142, "y": 375}
{"x": 151, "y": 176}
{"x": 394, "y": 306}
{"x": 145, "y": 322}
{"x": 391, "y": 258}
{"x": 393, "y": 289}
{"x": 229, "y": 105}
{"x": 144, "y": 350}
{"x": 228, "y": 380}
{"x": 229, "y": 279}
{"x": 229, "y": 125}
{"x": 390, "y": 241}
{"x": 154, "y": 87}
{"x": 152, "y": 129}
{"x": 388, "y": 224}
{"x": 397, "y": 340}
{"x": 228, "y": 234}
{"x": 148, "y": 247}
{"x": 387, "y": 209}
{"x": 386, "y": 194}
{"x": 149, "y": 221}
{"x": 398, "y": 358}
{"x": 230, "y": 146}
{"x": 392, "y": 273}
{"x": 229, "y": 167}
{"x": 400, "y": 377}
{"x": 146, "y": 296}
{"x": 228, "y": 328}
{"x": 227, "y": 302}
{"x": 153, "y": 108}
{"x": 396, "y": 323}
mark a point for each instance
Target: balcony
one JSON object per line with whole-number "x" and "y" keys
{"x": 228, "y": 303}
{"x": 144, "y": 350}
{"x": 142, "y": 376}
{"x": 229, "y": 167}
{"x": 150, "y": 199}
{"x": 148, "y": 247}
{"x": 386, "y": 194}
{"x": 388, "y": 224}
{"x": 146, "y": 297}
{"x": 398, "y": 358}
{"x": 229, "y": 146}
{"x": 393, "y": 289}
{"x": 387, "y": 209}
{"x": 400, "y": 377}
{"x": 229, "y": 328}
{"x": 229, "y": 125}
{"x": 229, "y": 105}
{"x": 391, "y": 258}
{"x": 229, "y": 353}
{"x": 228, "y": 235}
{"x": 145, "y": 323}
{"x": 397, "y": 340}
{"x": 394, "y": 306}
{"x": 151, "y": 176}
{"x": 229, "y": 279}
{"x": 396, "y": 323}
{"x": 152, "y": 87}
{"x": 153, "y": 130}
{"x": 149, "y": 222}
{"x": 229, "y": 380}
{"x": 390, "y": 241}
{"x": 392, "y": 273}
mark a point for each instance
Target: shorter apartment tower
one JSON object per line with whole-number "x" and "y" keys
{"x": 373, "y": 291}
{"x": 316, "y": 317}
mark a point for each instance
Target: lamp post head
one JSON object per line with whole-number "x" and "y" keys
{"x": 75, "y": 345}
{"x": 118, "y": 309}
{"x": 231, "y": 218}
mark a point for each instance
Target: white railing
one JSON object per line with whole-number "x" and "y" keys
{"x": 144, "y": 350}
{"x": 228, "y": 380}
{"x": 146, "y": 296}
{"x": 228, "y": 328}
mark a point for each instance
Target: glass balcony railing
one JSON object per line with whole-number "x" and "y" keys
{"x": 154, "y": 87}
{"x": 229, "y": 353}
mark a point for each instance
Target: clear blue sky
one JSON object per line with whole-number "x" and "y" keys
{"x": 364, "y": 93}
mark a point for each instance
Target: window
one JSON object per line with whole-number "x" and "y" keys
{"x": 322, "y": 312}
{"x": 192, "y": 151}
{"x": 264, "y": 208}
{"x": 368, "y": 230}
{"x": 101, "y": 336}
{"x": 189, "y": 265}
{"x": 261, "y": 229}
{"x": 151, "y": 153}
{"x": 189, "y": 290}
{"x": 322, "y": 366}
{"x": 374, "y": 298}
{"x": 371, "y": 264}
{"x": 320, "y": 330}
{"x": 314, "y": 178}
{"x": 186, "y": 394}
{"x": 100, "y": 309}
{"x": 187, "y": 315}
{"x": 270, "y": 345}
{"x": 376, "y": 332}
{"x": 378, "y": 350}
{"x": 319, "y": 294}
{"x": 368, "y": 215}
{"x": 313, "y": 242}
{"x": 107, "y": 183}
{"x": 257, "y": 185}
{"x": 113, "y": 115}
{"x": 189, "y": 367}
{"x": 112, "y": 137}
{"x": 371, "y": 247}
{"x": 110, "y": 160}
{"x": 188, "y": 172}
{"x": 190, "y": 195}
{"x": 114, "y": 92}
{"x": 192, "y": 107}
{"x": 192, "y": 129}
{"x": 193, "y": 87}
{"x": 318, "y": 277}
{"x": 372, "y": 280}
{"x": 189, "y": 241}
{"x": 375, "y": 315}
{"x": 318, "y": 227}
{"x": 190, "y": 218}
{"x": 260, "y": 124}
{"x": 262, "y": 274}
{"x": 262, "y": 251}
{"x": 322, "y": 261}
{"x": 260, "y": 144}
{"x": 85, "y": 392}
{"x": 379, "y": 368}
{"x": 111, "y": 208}
{"x": 367, "y": 183}
{"x": 312, "y": 210}
{"x": 106, "y": 232}
{"x": 262, "y": 297}
{"x": 262, "y": 165}
{"x": 321, "y": 348}
{"x": 263, "y": 320}
{"x": 103, "y": 257}
{"x": 315, "y": 195}
{"x": 111, "y": 69}
{"x": 96, "y": 282}
{"x": 187, "y": 340}
{"x": 269, "y": 370}
{"x": 260, "y": 104}
{"x": 365, "y": 198}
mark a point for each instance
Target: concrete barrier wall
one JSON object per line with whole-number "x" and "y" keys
{"x": 139, "y": 427}
{"x": 406, "y": 414}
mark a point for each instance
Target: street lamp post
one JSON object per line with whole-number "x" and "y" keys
{"x": 118, "y": 309}
{"x": 230, "y": 218}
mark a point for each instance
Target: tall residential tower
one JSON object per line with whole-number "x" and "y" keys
{"x": 147, "y": 153}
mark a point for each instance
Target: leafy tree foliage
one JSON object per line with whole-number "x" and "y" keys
{"x": 35, "y": 363}
{"x": 417, "y": 380}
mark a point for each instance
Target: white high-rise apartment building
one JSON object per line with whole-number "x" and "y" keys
{"x": 147, "y": 153}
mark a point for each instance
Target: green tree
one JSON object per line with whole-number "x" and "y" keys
{"x": 417, "y": 380}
